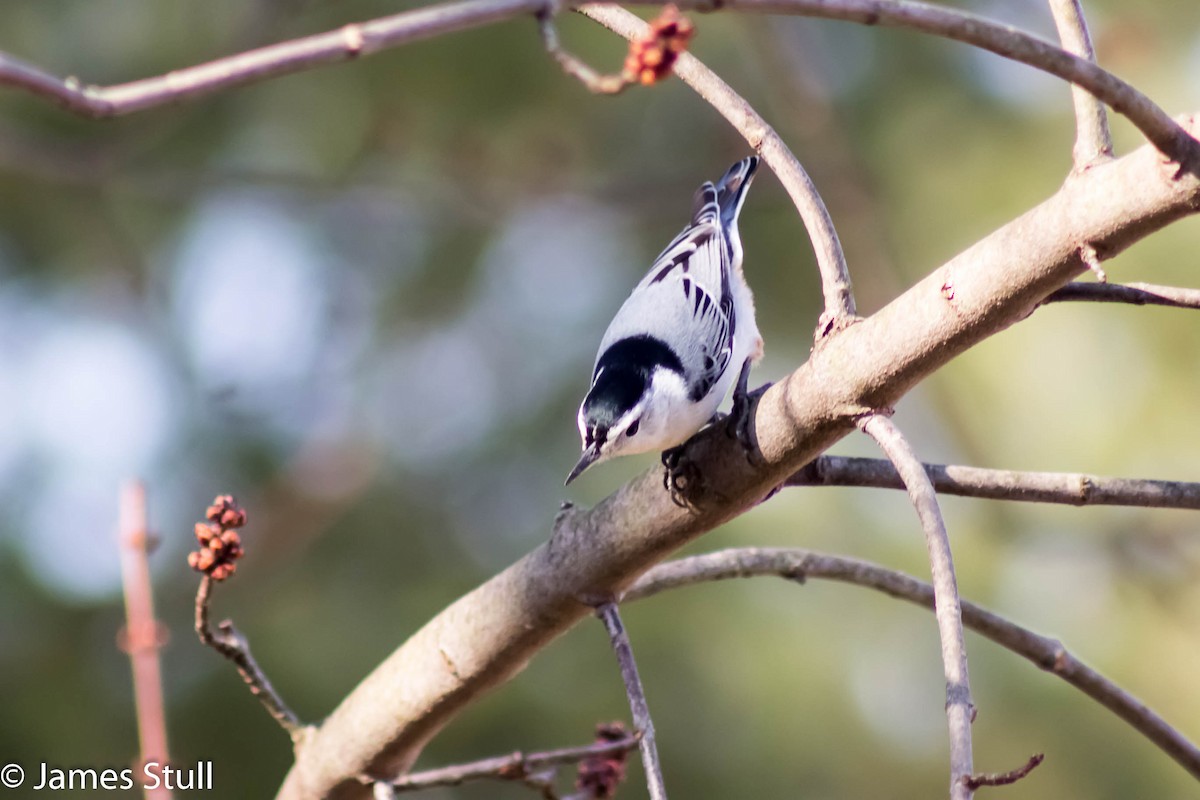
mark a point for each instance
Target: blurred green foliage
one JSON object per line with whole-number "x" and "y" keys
{"x": 405, "y": 434}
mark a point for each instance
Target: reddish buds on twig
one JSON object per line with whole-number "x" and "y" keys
{"x": 651, "y": 58}
{"x": 220, "y": 545}
{"x": 599, "y": 776}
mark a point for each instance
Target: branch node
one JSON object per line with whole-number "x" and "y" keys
{"x": 355, "y": 39}
{"x": 1092, "y": 259}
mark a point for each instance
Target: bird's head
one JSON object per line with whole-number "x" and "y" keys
{"x": 611, "y": 417}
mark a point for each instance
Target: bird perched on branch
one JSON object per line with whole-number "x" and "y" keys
{"x": 671, "y": 353}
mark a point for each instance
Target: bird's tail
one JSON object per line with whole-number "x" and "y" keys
{"x": 723, "y": 202}
{"x": 731, "y": 189}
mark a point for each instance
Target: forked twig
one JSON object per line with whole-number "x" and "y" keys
{"x": 231, "y": 644}
{"x": 513, "y": 766}
{"x": 217, "y": 560}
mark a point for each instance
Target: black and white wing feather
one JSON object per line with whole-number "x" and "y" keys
{"x": 685, "y": 300}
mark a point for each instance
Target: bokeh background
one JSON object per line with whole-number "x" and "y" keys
{"x": 365, "y": 300}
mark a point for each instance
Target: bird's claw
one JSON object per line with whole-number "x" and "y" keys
{"x": 740, "y": 422}
{"x": 680, "y": 474}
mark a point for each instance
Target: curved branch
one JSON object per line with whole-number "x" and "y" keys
{"x": 831, "y": 261}
{"x": 1075, "y": 489}
{"x": 1138, "y": 294}
{"x": 1164, "y": 133}
{"x": 343, "y": 44}
{"x": 356, "y": 39}
{"x": 1048, "y": 654}
{"x": 960, "y": 709}
{"x": 487, "y": 636}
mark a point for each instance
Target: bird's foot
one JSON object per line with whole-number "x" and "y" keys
{"x": 680, "y": 475}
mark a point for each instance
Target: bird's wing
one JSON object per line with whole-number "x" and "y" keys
{"x": 685, "y": 300}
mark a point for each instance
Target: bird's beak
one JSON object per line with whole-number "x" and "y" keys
{"x": 590, "y": 454}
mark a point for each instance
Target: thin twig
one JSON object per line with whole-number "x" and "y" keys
{"x": 142, "y": 637}
{"x": 510, "y": 767}
{"x": 1138, "y": 294}
{"x": 1047, "y": 653}
{"x": 831, "y": 260}
{"x": 343, "y": 44}
{"x": 231, "y": 644}
{"x": 642, "y": 721}
{"x": 960, "y": 710}
{"x": 1093, "y": 142}
{"x": 596, "y": 82}
{"x": 358, "y": 39}
{"x": 1006, "y": 778}
{"x": 1065, "y": 488}
{"x": 1156, "y": 124}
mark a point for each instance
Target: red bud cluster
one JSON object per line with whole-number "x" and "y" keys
{"x": 651, "y": 58}
{"x": 599, "y": 776}
{"x": 220, "y": 545}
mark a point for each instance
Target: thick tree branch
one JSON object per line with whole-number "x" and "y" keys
{"x": 960, "y": 709}
{"x": 1138, "y": 294}
{"x": 1075, "y": 489}
{"x": 1048, "y": 654}
{"x": 485, "y": 637}
{"x": 831, "y": 261}
{"x": 1093, "y": 142}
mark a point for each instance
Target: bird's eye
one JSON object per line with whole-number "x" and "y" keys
{"x": 633, "y": 428}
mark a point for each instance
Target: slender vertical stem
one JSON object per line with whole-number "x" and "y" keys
{"x": 637, "y": 698}
{"x": 960, "y": 710}
{"x": 1093, "y": 142}
{"x": 141, "y": 630}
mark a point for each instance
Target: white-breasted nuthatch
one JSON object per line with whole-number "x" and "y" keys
{"x": 670, "y": 354}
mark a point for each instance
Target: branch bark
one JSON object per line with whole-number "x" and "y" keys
{"x": 1047, "y": 653}
{"x": 485, "y": 637}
